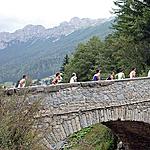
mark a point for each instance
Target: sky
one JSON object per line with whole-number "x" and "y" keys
{"x": 15, "y": 14}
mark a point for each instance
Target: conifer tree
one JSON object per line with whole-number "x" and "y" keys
{"x": 65, "y": 62}
{"x": 133, "y": 18}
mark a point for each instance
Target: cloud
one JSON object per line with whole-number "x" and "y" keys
{"x": 9, "y": 24}
{"x": 16, "y": 14}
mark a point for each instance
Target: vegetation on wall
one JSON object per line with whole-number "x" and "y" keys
{"x": 21, "y": 126}
{"x": 96, "y": 137}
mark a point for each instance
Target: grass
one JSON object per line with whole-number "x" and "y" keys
{"x": 96, "y": 137}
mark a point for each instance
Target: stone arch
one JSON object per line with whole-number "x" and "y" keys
{"x": 134, "y": 135}
{"x": 66, "y": 124}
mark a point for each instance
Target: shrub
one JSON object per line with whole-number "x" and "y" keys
{"x": 19, "y": 119}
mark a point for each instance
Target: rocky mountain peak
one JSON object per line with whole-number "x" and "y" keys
{"x": 75, "y": 20}
{"x": 38, "y": 31}
{"x": 32, "y": 28}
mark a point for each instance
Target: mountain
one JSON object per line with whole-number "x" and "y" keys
{"x": 30, "y": 32}
{"x": 39, "y": 52}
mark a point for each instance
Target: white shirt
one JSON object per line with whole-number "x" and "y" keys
{"x": 22, "y": 83}
{"x": 149, "y": 73}
{"x": 73, "y": 79}
{"x": 132, "y": 74}
{"x": 121, "y": 75}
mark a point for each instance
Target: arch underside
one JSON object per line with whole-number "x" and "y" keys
{"x": 134, "y": 135}
{"x": 129, "y": 122}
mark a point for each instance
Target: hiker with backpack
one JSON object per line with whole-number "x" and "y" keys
{"x": 21, "y": 83}
{"x": 73, "y": 78}
{"x": 111, "y": 76}
{"x": 96, "y": 76}
{"x": 57, "y": 78}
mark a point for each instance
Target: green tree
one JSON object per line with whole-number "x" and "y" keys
{"x": 85, "y": 60}
{"x": 65, "y": 62}
{"x": 124, "y": 52}
{"x": 127, "y": 47}
{"x": 132, "y": 37}
{"x": 133, "y": 18}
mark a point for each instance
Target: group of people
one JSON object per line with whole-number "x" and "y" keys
{"x": 97, "y": 76}
{"x": 120, "y": 75}
{"x": 58, "y": 78}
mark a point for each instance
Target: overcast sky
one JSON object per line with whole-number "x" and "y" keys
{"x": 15, "y": 14}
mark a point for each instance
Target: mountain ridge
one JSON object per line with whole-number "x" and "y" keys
{"x": 41, "y": 57}
{"x": 39, "y": 31}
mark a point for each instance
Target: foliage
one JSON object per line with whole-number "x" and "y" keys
{"x": 19, "y": 118}
{"x": 133, "y": 24}
{"x": 127, "y": 47}
{"x": 133, "y": 18}
{"x": 84, "y": 60}
{"x": 65, "y": 62}
{"x": 95, "y": 137}
{"x": 125, "y": 53}
{"x": 81, "y": 134}
{"x": 1, "y": 86}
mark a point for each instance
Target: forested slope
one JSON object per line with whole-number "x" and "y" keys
{"x": 43, "y": 57}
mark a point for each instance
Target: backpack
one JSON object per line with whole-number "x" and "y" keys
{"x": 95, "y": 78}
{"x": 17, "y": 84}
{"x": 109, "y": 78}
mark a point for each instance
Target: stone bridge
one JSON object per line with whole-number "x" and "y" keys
{"x": 121, "y": 105}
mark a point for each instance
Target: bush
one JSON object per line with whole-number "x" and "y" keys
{"x": 19, "y": 119}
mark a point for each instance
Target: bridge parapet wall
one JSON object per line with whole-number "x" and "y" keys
{"x": 80, "y": 96}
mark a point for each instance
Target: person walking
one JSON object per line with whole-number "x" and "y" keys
{"x": 149, "y": 73}
{"x": 120, "y": 75}
{"x": 111, "y": 76}
{"x": 57, "y": 78}
{"x": 22, "y": 82}
{"x": 96, "y": 76}
{"x": 73, "y": 78}
{"x": 132, "y": 73}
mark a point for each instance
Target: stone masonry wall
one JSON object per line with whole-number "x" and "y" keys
{"x": 70, "y": 107}
{"x": 66, "y": 98}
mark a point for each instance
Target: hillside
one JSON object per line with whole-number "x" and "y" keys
{"x": 42, "y": 55}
